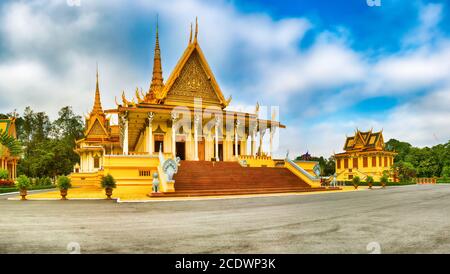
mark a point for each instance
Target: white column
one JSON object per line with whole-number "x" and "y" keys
{"x": 88, "y": 162}
{"x": 272, "y": 131}
{"x": 174, "y": 136}
{"x": 196, "y": 121}
{"x": 216, "y": 128}
{"x": 150, "y": 133}
{"x": 81, "y": 162}
{"x": 261, "y": 135}
{"x": 236, "y": 138}
{"x": 125, "y": 135}
{"x": 253, "y": 141}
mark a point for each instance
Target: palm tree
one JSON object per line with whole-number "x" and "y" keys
{"x": 10, "y": 143}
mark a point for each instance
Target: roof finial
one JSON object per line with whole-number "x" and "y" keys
{"x": 97, "y": 78}
{"x": 190, "y": 36}
{"x": 157, "y": 79}
{"x": 157, "y": 28}
{"x": 97, "y": 103}
{"x": 196, "y": 30}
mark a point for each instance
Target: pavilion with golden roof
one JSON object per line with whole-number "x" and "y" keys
{"x": 365, "y": 155}
{"x": 184, "y": 117}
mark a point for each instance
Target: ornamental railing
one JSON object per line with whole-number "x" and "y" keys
{"x": 301, "y": 170}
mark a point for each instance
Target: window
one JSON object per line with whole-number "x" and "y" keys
{"x": 339, "y": 163}
{"x": 355, "y": 162}
{"x": 350, "y": 177}
{"x": 365, "y": 162}
{"x": 145, "y": 173}
{"x": 385, "y": 161}
{"x": 345, "y": 163}
{"x": 374, "y": 161}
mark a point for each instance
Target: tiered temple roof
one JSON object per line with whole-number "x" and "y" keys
{"x": 364, "y": 141}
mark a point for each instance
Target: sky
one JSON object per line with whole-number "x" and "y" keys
{"x": 329, "y": 66}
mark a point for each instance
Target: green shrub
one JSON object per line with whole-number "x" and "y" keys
{"x": 64, "y": 183}
{"x": 443, "y": 181}
{"x": 384, "y": 179}
{"x": 370, "y": 180}
{"x": 4, "y": 174}
{"x": 446, "y": 173}
{"x": 108, "y": 181}
{"x": 44, "y": 181}
{"x": 356, "y": 180}
{"x": 23, "y": 182}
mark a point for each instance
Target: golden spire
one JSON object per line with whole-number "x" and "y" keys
{"x": 190, "y": 36}
{"x": 97, "y": 104}
{"x": 196, "y": 30}
{"x": 157, "y": 78}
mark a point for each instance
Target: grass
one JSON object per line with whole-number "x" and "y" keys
{"x": 15, "y": 189}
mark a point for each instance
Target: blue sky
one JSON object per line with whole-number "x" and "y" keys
{"x": 330, "y": 66}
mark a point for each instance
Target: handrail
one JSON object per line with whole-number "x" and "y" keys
{"x": 304, "y": 172}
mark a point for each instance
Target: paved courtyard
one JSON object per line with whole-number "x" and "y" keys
{"x": 409, "y": 219}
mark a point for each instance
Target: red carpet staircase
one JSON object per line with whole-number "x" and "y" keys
{"x": 204, "y": 178}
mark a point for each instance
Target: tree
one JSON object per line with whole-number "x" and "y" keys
{"x": 405, "y": 171}
{"x": 402, "y": 148}
{"x": 11, "y": 143}
{"x": 49, "y": 145}
{"x": 446, "y": 172}
{"x": 427, "y": 162}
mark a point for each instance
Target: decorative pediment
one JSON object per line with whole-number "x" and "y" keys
{"x": 96, "y": 129}
{"x": 193, "y": 82}
{"x": 192, "y": 78}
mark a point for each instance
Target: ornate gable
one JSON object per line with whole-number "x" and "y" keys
{"x": 96, "y": 129}
{"x": 193, "y": 82}
{"x": 192, "y": 78}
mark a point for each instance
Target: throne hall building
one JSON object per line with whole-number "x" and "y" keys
{"x": 184, "y": 118}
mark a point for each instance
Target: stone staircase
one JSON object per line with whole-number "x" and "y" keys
{"x": 204, "y": 178}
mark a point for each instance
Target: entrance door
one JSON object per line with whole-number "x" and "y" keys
{"x": 180, "y": 150}
{"x": 201, "y": 150}
{"x": 221, "y": 152}
{"x": 159, "y": 145}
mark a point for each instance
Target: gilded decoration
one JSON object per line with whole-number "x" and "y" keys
{"x": 193, "y": 81}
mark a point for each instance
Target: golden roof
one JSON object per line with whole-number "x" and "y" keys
{"x": 367, "y": 140}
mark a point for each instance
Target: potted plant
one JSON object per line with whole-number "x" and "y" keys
{"x": 23, "y": 183}
{"x": 63, "y": 185}
{"x": 108, "y": 183}
{"x": 384, "y": 180}
{"x": 369, "y": 181}
{"x": 356, "y": 180}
